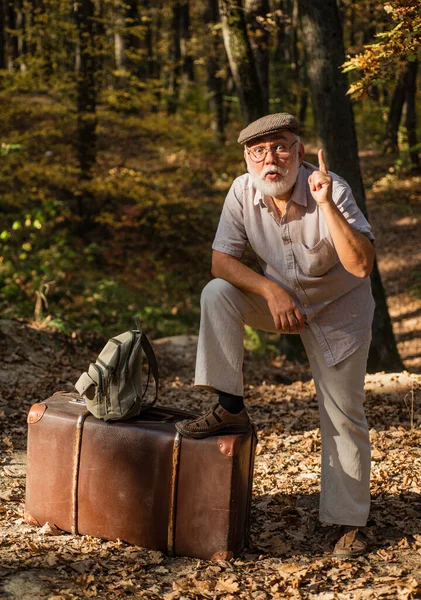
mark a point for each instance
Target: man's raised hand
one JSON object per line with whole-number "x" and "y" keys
{"x": 320, "y": 182}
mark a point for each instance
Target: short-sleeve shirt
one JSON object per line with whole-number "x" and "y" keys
{"x": 298, "y": 253}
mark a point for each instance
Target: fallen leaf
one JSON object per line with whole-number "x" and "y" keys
{"x": 82, "y": 565}
{"x": 227, "y": 585}
{"x": 48, "y": 529}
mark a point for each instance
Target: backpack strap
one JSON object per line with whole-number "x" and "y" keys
{"x": 150, "y": 355}
{"x": 153, "y": 365}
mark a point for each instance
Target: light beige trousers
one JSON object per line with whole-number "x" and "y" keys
{"x": 345, "y": 479}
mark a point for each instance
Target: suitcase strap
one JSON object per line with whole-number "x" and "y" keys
{"x": 173, "y": 493}
{"x": 76, "y": 465}
{"x": 173, "y": 487}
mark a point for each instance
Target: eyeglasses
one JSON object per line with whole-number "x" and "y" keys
{"x": 258, "y": 153}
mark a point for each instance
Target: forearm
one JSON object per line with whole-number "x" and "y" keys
{"x": 356, "y": 252}
{"x": 232, "y": 270}
{"x": 287, "y": 317}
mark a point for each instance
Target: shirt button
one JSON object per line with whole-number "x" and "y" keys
{"x": 305, "y": 304}
{"x": 286, "y": 239}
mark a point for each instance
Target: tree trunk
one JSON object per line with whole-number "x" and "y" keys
{"x": 175, "y": 61}
{"x": 3, "y": 36}
{"x": 86, "y": 88}
{"x": 139, "y": 59}
{"x": 334, "y": 118}
{"x": 352, "y": 19}
{"x": 214, "y": 82}
{"x": 185, "y": 37}
{"x": 152, "y": 40}
{"x": 20, "y": 33}
{"x": 391, "y": 145}
{"x": 256, "y": 13}
{"x": 241, "y": 60}
{"x": 119, "y": 39}
{"x": 120, "y": 34}
{"x": 12, "y": 51}
{"x": 411, "y": 115}
{"x": 280, "y": 74}
{"x": 148, "y": 39}
{"x": 302, "y": 113}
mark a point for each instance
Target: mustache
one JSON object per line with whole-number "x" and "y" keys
{"x": 274, "y": 169}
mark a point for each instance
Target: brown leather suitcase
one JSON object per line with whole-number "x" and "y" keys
{"x": 138, "y": 480}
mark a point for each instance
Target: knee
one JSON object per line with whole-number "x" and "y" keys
{"x": 217, "y": 290}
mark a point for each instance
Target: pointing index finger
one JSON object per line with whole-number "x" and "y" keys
{"x": 322, "y": 164}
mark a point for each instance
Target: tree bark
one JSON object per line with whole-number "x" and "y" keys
{"x": 138, "y": 16}
{"x": 148, "y": 40}
{"x": 20, "y": 33}
{"x": 3, "y": 35}
{"x": 185, "y": 37}
{"x": 86, "y": 88}
{"x": 411, "y": 115}
{"x": 256, "y": 13}
{"x": 214, "y": 82}
{"x": 12, "y": 51}
{"x": 175, "y": 61}
{"x": 280, "y": 74}
{"x": 119, "y": 39}
{"x": 334, "y": 118}
{"x": 391, "y": 145}
{"x": 241, "y": 60}
{"x": 120, "y": 34}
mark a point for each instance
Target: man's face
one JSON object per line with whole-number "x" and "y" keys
{"x": 277, "y": 173}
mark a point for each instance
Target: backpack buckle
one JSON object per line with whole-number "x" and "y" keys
{"x": 77, "y": 401}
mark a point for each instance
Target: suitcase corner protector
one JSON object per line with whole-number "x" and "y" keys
{"x": 30, "y": 519}
{"x": 36, "y": 412}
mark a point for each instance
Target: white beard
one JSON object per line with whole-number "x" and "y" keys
{"x": 276, "y": 188}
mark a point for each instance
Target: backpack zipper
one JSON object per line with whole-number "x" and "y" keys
{"x": 115, "y": 370}
{"x": 101, "y": 390}
{"x": 126, "y": 366}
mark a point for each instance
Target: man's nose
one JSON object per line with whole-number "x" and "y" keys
{"x": 271, "y": 155}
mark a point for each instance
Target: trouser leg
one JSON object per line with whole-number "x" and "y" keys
{"x": 346, "y": 458}
{"x": 224, "y": 311}
{"x": 345, "y": 485}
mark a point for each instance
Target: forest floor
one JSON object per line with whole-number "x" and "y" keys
{"x": 288, "y": 556}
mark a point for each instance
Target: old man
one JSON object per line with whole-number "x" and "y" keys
{"x": 316, "y": 252}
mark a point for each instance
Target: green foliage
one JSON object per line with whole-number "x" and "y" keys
{"x": 260, "y": 342}
{"x": 382, "y": 61}
{"x": 6, "y": 148}
{"x": 154, "y": 203}
{"x": 136, "y": 236}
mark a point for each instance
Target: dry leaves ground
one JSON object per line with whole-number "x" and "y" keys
{"x": 288, "y": 555}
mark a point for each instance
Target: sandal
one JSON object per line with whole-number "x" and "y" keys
{"x": 216, "y": 421}
{"x": 352, "y": 543}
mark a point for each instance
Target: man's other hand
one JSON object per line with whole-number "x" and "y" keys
{"x": 287, "y": 317}
{"x": 320, "y": 182}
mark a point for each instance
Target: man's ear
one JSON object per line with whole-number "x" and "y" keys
{"x": 301, "y": 153}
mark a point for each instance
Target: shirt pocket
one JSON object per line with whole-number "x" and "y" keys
{"x": 318, "y": 260}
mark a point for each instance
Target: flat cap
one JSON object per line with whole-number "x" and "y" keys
{"x": 269, "y": 124}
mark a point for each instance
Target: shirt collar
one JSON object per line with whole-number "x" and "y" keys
{"x": 300, "y": 192}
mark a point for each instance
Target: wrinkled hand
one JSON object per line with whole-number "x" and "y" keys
{"x": 285, "y": 312}
{"x": 320, "y": 182}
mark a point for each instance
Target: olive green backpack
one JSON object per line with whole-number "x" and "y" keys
{"x": 113, "y": 385}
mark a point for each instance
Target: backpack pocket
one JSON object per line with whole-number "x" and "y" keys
{"x": 86, "y": 386}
